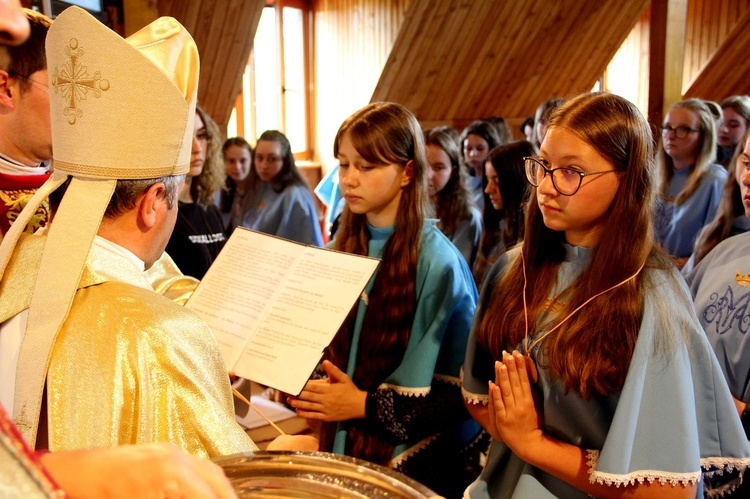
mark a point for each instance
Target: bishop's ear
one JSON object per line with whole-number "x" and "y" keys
{"x": 7, "y": 88}
{"x": 152, "y": 203}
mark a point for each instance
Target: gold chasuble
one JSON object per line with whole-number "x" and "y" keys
{"x": 128, "y": 366}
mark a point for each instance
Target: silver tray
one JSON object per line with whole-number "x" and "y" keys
{"x": 315, "y": 475}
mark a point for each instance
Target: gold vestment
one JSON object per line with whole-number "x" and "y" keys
{"x": 129, "y": 365}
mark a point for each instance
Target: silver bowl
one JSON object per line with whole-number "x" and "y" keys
{"x": 315, "y": 475}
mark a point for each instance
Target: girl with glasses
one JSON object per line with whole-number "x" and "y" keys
{"x": 277, "y": 200}
{"x": 586, "y": 362}
{"x": 392, "y": 394}
{"x": 690, "y": 182}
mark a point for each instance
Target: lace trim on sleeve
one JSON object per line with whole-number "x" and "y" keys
{"x": 475, "y": 398}
{"x": 712, "y": 465}
{"x": 453, "y": 380}
{"x": 405, "y": 390}
{"x": 641, "y": 476}
{"x": 734, "y": 469}
{"x": 401, "y": 458}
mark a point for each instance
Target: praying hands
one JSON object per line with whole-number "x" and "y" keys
{"x": 514, "y": 418}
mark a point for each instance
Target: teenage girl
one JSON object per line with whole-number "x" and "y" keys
{"x": 601, "y": 380}
{"x": 278, "y": 200}
{"x": 476, "y": 141}
{"x": 238, "y": 155}
{"x": 392, "y": 394}
{"x": 198, "y": 234}
{"x": 691, "y": 182}
{"x": 458, "y": 218}
{"x": 731, "y": 218}
{"x": 507, "y": 191}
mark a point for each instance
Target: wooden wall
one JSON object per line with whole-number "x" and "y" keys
{"x": 717, "y": 40}
{"x": 455, "y": 61}
{"x": 706, "y": 28}
{"x": 352, "y": 41}
{"x": 223, "y": 31}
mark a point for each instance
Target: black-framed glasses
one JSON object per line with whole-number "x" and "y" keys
{"x": 679, "y": 131}
{"x": 566, "y": 181}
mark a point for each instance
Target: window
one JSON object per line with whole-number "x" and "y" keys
{"x": 275, "y": 86}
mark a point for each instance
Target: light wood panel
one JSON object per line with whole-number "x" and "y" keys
{"x": 707, "y": 29}
{"x": 455, "y": 61}
{"x": 352, "y": 40}
{"x": 224, "y": 32}
{"x": 726, "y": 71}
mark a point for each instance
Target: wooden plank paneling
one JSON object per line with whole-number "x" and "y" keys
{"x": 352, "y": 40}
{"x": 707, "y": 28}
{"x": 224, "y": 32}
{"x": 725, "y": 72}
{"x": 500, "y": 58}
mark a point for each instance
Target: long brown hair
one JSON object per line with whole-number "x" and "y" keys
{"x": 730, "y": 207}
{"x": 706, "y": 154}
{"x": 453, "y": 202}
{"x": 213, "y": 177}
{"x": 383, "y": 133}
{"x": 592, "y": 351}
{"x": 502, "y": 230}
{"x": 288, "y": 175}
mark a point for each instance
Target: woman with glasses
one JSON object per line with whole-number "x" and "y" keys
{"x": 277, "y": 200}
{"x": 690, "y": 181}
{"x": 585, "y": 362}
{"x": 198, "y": 234}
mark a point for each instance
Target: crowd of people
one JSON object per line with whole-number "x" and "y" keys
{"x": 559, "y": 316}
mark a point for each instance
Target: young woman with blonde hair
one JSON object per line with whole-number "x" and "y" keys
{"x": 392, "y": 393}
{"x": 690, "y": 182}
{"x": 586, "y": 362}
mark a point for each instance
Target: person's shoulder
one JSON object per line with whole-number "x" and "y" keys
{"x": 436, "y": 249}
{"x": 717, "y": 171}
{"x": 125, "y": 300}
{"x": 145, "y": 311}
{"x": 731, "y": 245}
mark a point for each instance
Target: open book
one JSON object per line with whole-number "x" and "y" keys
{"x": 275, "y": 305}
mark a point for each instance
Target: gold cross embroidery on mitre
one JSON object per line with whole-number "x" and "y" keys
{"x": 74, "y": 82}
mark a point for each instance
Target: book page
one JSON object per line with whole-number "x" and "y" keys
{"x": 275, "y": 305}
{"x": 234, "y": 294}
{"x": 303, "y": 318}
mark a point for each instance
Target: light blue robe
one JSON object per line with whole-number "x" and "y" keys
{"x": 467, "y": 234}
{"x": 677, "y": 227}
{"x": 673, "y": 415}
{"x": 290, "y": 214}
{"x": 720, "y": 285}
